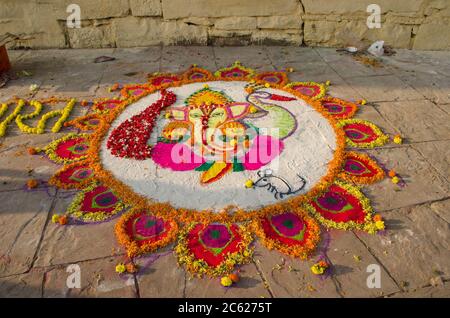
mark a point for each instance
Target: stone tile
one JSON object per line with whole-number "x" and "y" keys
{"x": 383, "y": 88}
{"x": 442, "y": 291}
{"x": 417, "y": 120}
{"x": 350, "y": 259}
{"x": 73, "y": 243}
{"x": 17, "y": 166}
{"x": 160, "y": 276}
{"x": 180, "y": 58}
{"x": 137, "y": 55}
{"x": 437, "y": 153}
{"x": 128, "y": 73}
{"x": 415, "y": 247}
{"x": 27, "y": 285}
{"x": 281, "y": 54}
{"x": 295, "y": 281}
{"x": 250, "y": 286}
{"x": 442, "y": 208}
{"x": 250, "y": 56}
{"x": 98, "y": 279}
{"x": 346, "y": 66}
{"x": 434, "y": 87}
{"x": 423, "y": 183}
{"x": 23, "y": 216}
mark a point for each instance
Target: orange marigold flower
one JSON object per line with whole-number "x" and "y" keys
{"x": 392, "y": 174}
{"x": 84, "y": 102}
{"x": 131, "y": 268}
{"x": 32, "y": 151}
{"x": 234, "y": 277}
{"x": 32, "y": 183}
{"x": 63, "y": 220}
{"x": 377, "y": 218}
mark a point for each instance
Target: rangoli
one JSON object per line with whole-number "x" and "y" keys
{"x": 213, "y": 161}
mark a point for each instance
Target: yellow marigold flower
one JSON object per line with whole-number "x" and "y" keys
{"x": 226, "y": 281}
{"x": 395, "y": 180}
{"x": 398, "y": 139}
{"x": 267, "y": 85}
{"x": 253, "y": 109}
{"x": 328, "y": 83}
{"x": 379, "y": 225}
{"x": 206, "y": 86}
{"x": 120, "y": 268}
{"x": 316, "y": 269}
{"x": 167, "y": 115}
{"x": 55, "y": 218}
{"x": 249, "y": 183}
{"x": 362, "y": 102}
{"x": 233, "y": 142}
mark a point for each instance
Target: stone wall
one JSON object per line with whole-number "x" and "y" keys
{"x": 414, "y": 24}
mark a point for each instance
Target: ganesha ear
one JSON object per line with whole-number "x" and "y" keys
{"x": 237, "y": 110}
{"x": 178, "y": 113}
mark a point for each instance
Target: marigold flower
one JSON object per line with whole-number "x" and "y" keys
{"x": 398, "y": 139}
{"x": 377, "y": 217}
{"x": 32, "y": 183}
{"x": 379, "y": 225}
{"x": 84, "y": 102}
{"x": 395, "y": 180}
{"x": 131, "y": 268}
{"x": 32, "y": 151}
{"x": 249, "y": 183}
{"x": 120, "y": 268}
{"x": 63, "y": 220}
{"x": 234, "y": 277}
{"x": 317, "y": 270}
{"x": 267, "y": 85}
{"x": 327, "y": 83}
{"x": 55, "y": 218}
{"x": 392, "y": 173}
{"x": 226, "y": 281}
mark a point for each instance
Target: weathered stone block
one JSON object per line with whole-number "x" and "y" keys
{"x": 177, "y": 32}
{"x": 236, "y": 23}
{"x": 145, "y": 8}
{"x": 99, "y": 9}
{"x": 277, "y": 37}
{"x": 433, "y": 37}
{"x": 175, "y": 9}
{"x": 133, "y": 31}
{"x": 352, "y": 6}
{"x": 280, "y": 22}
{"x": 344, "y": 33}
{"x": 91, "y": 37}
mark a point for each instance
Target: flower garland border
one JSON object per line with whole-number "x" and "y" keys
{"x": 368, "y": 225}
{"x": 74, "y": 208}
{"x": 342, "y": 103}
{"x": 199, "y": 267}
{"x": 54, "y": 180}
{"x": 130, "y": 245}
{"x": 381, "y": 140}
{"x": 299, "y": 251}
{"x": 322, "y": 87}
{"x": 50, "y": 149}
{"x": 380, "y": 174}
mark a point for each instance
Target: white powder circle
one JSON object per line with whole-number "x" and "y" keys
{"x": 306, "y": 154}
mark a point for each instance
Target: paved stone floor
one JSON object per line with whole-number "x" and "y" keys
{"x": 409, "y": 95}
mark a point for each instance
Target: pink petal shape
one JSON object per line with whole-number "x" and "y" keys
{"x": 176, "y": 156}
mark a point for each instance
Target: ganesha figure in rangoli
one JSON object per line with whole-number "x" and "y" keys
{"x": 215, "y": 135}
